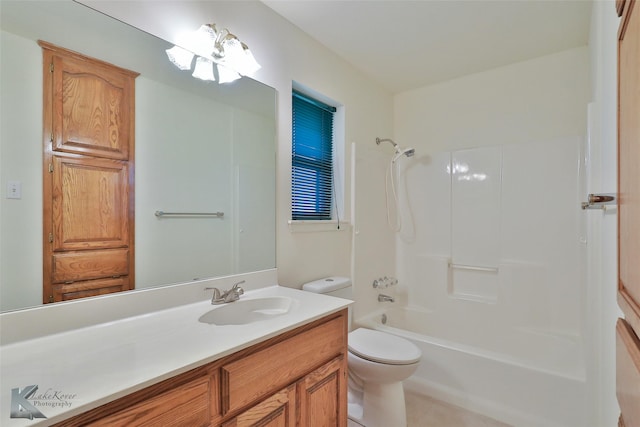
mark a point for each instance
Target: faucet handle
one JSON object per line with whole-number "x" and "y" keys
{"x": 237, "y": 288}
{"x": 216, "y": 292}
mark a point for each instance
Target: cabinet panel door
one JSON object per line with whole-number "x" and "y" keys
{"x": 322, "y": 396}
{"x": 628, "y": 164}
{"x": 275, "y": 411}
{"x": 92, "y": 107}
{"x": 90, "y": 203}
{"x": 628, "y": 345}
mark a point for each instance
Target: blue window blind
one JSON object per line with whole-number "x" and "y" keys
{"x": 312, "y": 160}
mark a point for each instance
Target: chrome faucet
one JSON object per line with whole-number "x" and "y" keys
{"x": 222, "y": 297}
{"x": 385, "y": 298}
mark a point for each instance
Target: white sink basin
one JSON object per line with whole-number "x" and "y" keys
{"x": 247, "y": 311}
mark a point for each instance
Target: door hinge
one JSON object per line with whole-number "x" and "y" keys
{"x": 50, "y": 167}
{"x": 51, "y": 67}
{"x": 50, "y": 237}
{"x": 51, "y": 298}
{"x": 51, "y": 137}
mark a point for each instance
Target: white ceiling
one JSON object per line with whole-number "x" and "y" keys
{"x": 409, "y": 44}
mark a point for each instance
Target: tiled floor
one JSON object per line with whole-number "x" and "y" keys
{"x": 423, "y": 411}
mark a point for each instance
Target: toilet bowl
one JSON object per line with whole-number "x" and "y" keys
{"x": 377, "y": 362}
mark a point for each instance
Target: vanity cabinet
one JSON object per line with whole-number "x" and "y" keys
{"x": 298, "y": 378}
{"x": 88, "y": 181}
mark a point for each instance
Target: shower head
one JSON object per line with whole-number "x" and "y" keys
{"x": 408, "y": 152}
{"x": 399, "y": 150}
{"x": 403, "y": 151}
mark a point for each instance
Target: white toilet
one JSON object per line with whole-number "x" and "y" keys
{"x": 378, "y": 363}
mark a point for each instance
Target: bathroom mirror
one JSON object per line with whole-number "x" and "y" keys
{"x": 200, "y": 147}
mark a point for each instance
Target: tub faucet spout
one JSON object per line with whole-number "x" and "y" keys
{"x": 385, "y": 298}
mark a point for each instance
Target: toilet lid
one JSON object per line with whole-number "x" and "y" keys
{"x": 381, "y": 347}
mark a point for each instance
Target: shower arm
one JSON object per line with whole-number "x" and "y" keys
{"x": 378, "y": 141}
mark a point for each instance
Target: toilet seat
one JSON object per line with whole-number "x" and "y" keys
{"x": 380, "y": 347}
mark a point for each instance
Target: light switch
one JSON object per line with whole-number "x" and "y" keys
{"x": 14, "y": 190}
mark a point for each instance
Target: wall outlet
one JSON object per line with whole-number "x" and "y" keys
{"x": 14, "y": 190}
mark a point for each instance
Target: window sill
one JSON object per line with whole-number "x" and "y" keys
{"x": 296, "y": 226}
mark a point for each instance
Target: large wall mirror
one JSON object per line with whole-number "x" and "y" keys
{"x": 200, "y": 147}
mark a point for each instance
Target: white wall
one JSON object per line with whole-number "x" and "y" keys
{"x": 194, "y": 154}
{"x": 21, "y": 160}
{"x": 539, "y": 99}
{"x": 287, "y": 54}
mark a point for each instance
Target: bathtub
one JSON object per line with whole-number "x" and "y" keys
{"x": 518, "y": 376}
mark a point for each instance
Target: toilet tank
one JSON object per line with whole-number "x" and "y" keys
{"x": 334, "y": 286}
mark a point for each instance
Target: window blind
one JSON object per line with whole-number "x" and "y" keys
{"x": 312, "y": 159}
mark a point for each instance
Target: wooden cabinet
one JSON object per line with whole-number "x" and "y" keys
{"x": 298, "y": 378}
{"x": 184, "y": 405}
{"x": 278, "y": 410}
{"x": 320, "y": 396}
{"x": 88, "y": 207}
{"x": 628, "y": 329}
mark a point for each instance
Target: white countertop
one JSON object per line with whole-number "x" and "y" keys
{"x": 81, "y": 369}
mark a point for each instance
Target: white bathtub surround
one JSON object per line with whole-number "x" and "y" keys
{"x": 495, "y": 270}
{"x": 110, "y": 359}
{"x": 523, "y": 378}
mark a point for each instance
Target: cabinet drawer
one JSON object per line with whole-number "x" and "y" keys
{"x": 186, "y": 405}
{"x": 87, "y": 265}
{"x": 628, "y": 373}
{"x": 89, "y": 288}
{"x": 268, "y": 370}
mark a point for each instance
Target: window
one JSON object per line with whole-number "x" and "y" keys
{"x": 312, "y": 159}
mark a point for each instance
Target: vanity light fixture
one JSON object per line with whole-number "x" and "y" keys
{"x": 180, "y": 57}
{"x": 203, "y": 69}
{"x": 231, "y": 57}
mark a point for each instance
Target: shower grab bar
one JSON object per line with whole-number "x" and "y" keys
{"x": 160, "y": 214}
{"x": 473, "y": 267}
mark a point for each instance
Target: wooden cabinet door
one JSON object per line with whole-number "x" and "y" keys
{"x": 90, "y": 203}
{"x": 88, "y": 197}
{"x": 92, "y": 106}
{"x": 628, "y": 347}
{"x": 322, "y": 396}
{"x": 277, "y": 410}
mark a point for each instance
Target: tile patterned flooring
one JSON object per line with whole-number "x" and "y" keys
{"x": 424, "y": 411}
